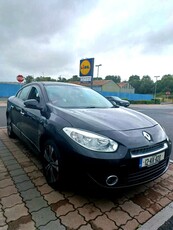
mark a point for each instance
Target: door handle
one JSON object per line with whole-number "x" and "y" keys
{"x": 22, "y": 113}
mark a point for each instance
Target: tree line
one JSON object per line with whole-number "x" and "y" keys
{"x": 144, "y": 85}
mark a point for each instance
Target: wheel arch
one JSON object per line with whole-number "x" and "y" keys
{"x": 45, "y": 137}
{"x": 42, "y": 140}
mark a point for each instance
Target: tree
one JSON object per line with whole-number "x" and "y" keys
{"x": 61, "y": 79}
{"x": 29, "y": 79}
{"x": 146, "y": 85}
{"x": 97, "y": 78}
{"x": 116, "y": 79}
{"x": 134, "y": 81}
{"x": 165, "y": 84}
{"x": 74, "y": 78}
{"x": 41, "y": 78}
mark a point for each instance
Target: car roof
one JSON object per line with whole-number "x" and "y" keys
{"x": 116, "y": 97}
{"x": 44, "y": 83}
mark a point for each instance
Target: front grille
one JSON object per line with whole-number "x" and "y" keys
{"x": 128, "y": 170}
{"x": 147, "y": 174}
{"x": 148, "y": 150}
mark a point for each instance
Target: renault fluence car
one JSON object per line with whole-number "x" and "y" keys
{"x": 76, "y": 131}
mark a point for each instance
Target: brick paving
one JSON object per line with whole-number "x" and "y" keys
{"x": 28, "y": 202}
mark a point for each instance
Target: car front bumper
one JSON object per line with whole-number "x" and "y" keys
{"x": 116, "y": 173}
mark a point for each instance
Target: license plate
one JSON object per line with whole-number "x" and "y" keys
{"x": 151, "y": 160}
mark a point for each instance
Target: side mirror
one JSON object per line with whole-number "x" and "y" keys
{"x": 114, "y": 104}
{"x": 32, "y": 104}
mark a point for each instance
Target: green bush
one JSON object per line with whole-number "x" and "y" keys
{"x": 153, "y": 101}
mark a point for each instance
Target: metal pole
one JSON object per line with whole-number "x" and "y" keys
{"x": 98, "y": 70}
{"x": 155, "y": 91}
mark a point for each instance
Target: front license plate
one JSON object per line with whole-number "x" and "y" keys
{"x": 151, "y": 160}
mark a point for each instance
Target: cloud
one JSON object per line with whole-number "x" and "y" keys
{"x": 51, "y": 37}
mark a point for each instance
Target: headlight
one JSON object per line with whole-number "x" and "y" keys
{"x": 91, "y": 141}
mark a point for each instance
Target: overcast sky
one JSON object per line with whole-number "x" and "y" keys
{"x": 51, "y": 37}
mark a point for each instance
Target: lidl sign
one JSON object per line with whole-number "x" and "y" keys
{"x": 86, "y": 69}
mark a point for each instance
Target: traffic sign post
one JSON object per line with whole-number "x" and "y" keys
{"x": 20, "y": 78}
{"x": 168, "y": 92}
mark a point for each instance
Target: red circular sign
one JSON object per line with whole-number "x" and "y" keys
{"x": 20, "y": 78}
{"x": 168, "y": 93}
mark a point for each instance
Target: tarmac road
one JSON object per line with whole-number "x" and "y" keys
{"x": 161, "y": 113}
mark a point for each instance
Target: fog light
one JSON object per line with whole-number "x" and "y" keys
{"x": 111, "y": 180}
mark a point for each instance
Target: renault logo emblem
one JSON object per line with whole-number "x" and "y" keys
{"x": 146, "y": 135}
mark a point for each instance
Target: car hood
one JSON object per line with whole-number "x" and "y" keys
{"x": 117, "y": 119}
{"x": 124, "y": 101}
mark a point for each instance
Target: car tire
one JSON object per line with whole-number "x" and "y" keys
{"x": 52, "y": 165}
{"x": 10, "y": 132}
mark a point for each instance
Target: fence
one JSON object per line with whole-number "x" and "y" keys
{"x": 9, "y": 89}
{"x": 129, "y": 96}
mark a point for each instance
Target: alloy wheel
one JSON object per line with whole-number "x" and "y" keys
{"x": 51, "y": 163}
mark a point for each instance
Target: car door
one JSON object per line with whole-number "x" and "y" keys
{"x": 16, "y": 109}
{"x": 32, "y": 119}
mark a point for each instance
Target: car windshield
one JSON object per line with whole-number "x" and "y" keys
{"x": 117, "y": 98}
{"x": 69, "y": 96}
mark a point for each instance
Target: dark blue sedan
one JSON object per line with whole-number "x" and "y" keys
{"x": 118, "y": 101}
{"x": 76, "y": 131}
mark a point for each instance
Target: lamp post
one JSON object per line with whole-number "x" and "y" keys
{"x": 155, "y": 90}
{"x": 98, "y": 70}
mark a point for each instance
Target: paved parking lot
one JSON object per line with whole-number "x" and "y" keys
{"x": 27, "y": 202}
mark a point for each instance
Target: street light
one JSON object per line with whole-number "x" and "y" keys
{"x": 98, "y": 70}
{"x": 155, "y": 90}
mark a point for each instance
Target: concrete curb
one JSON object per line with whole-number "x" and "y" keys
{"x": 159, "y": 219}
